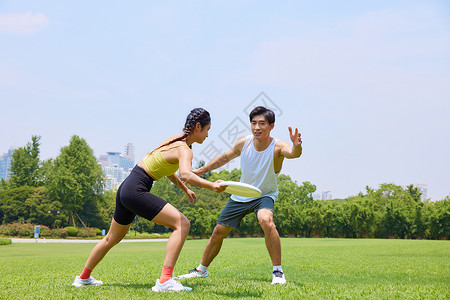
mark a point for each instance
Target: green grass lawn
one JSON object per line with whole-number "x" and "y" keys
{"x": 314, "y": 268}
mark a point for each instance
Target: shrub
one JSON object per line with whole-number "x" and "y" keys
{"x": 45, "y": 231}
{"x": 25, "y": 229}
{"x": 60, "y": 232}
{"x": 97, "y": 231}
{"x": 4, "y": 241}
{"x": 8, "y": 230}
{"x": 72, "y": 231}
{"x": 86, "y": 232}
{"x": 17, "y": 229}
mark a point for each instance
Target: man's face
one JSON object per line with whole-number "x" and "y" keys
{"x": 261, "y": 127}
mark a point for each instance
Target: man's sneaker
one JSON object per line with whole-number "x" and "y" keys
{"x": 86, "y": 282}
{"x": 278, "y": 277}
{"x": 170, "y": 285}
{"x": 194, "y": 273}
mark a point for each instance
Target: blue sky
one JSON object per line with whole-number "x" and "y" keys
{"x": 366, "y": 82}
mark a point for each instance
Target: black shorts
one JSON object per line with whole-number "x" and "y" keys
{"x": 133, "y": 198}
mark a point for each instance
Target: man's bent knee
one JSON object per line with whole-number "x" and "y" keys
{"x": 267, "y": 223}
{"x": 221, "y": 231}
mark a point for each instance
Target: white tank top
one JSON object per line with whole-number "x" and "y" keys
{"x": 257, "y": 169}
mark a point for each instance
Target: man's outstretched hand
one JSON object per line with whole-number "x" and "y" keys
{"x": 296, "y": 137}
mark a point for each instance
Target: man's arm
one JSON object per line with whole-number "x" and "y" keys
{"x": 295, "y": 150}
{"x": 223, "y": 158}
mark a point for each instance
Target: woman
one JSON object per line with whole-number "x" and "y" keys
{"x": 133, "y": 198}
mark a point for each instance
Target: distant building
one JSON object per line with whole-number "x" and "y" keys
{"x": 423, "y": 189}
{"x": 128, "y": 157}
{"x": 326, "y": 195}
{"x": 316, "y": 196}
{"x": 117, "y": 167}
{"x": 5, "y": 164}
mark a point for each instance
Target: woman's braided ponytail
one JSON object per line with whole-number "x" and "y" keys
{"x": 197, "y": 115}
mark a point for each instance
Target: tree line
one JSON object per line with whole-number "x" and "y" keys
{"x": 69, "y": 190}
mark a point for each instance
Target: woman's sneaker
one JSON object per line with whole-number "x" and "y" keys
{"x": 86, "y": 282}
{"x": 194, "y": 273}
{"x": 170, "y": 285}
{"x": 278, "y": 277}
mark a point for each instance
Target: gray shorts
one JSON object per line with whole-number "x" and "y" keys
{"x": 234, "y": 211}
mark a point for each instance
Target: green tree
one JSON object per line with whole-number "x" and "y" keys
{"x": 200, "y": 164}
{"x": 75, "y": 177}
{"x": 25, "y": 164}
{"x": 418, "y": 228}
{"x": 41, "y": 210}
{"x": 414, "y": 192}
{"x": 361, "y": 218}
{"x": 438, "y": 219}
{"x": 200, "y": 220}
{"x": 315, "y": 224}
{"x": 106, "y": 206}
{"x": 4, "y": 185}
{"x": 12, "y": 204}
{"x": 337, "y": 221}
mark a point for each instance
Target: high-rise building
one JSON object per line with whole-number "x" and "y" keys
{"x": 128, "y": 157}
{"x": 326, "y": 195}
{"x": 5, "y": 164}
{"x": 316, "y": 196}
{"x": 423, "y": 189}
{"x": 117, "y": 167}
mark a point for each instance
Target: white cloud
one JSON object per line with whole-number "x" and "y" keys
{"x": 24, "y": 23}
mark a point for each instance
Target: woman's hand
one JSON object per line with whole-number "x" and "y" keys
{"x": 191, "y": 195}
{"x": 217, "y": 188}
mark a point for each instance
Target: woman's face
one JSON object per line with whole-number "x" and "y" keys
{"x": 202, "y": 132}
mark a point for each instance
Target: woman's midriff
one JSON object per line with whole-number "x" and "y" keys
{"x": 143, "y": 167}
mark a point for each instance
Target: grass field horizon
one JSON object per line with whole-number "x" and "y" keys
{"x": 314, "y": 268}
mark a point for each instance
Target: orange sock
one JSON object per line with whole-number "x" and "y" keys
{"x": 166, "y": 274}
{"x": 86, "y": 273}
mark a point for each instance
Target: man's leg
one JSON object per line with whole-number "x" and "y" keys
{"x": 265, "y": 218}
{"x": 215, "y": 243}
{"x": 273, "y": 244}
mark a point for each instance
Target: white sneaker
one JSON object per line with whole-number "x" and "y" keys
{"x": 86, "y": 282}
{"x": 278, "y": 277}
{"x": 193, "y": 274}
{"x": 170, "y": 285}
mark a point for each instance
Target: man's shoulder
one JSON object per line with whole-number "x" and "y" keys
{"x": 241, "y": 141}
{"x": 279, "y": 143}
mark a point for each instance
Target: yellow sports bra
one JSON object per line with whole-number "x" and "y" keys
{"x": 157, "y": 166}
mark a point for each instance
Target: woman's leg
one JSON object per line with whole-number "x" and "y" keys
{"x": 170, "y": 217}
{"x": 115, "y": 235}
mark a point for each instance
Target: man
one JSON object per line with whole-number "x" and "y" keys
{"x": 261, "y": 160}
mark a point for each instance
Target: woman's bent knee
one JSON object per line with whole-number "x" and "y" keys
{"x": 185, "y": 225}
{"x": 110, "y": 242}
